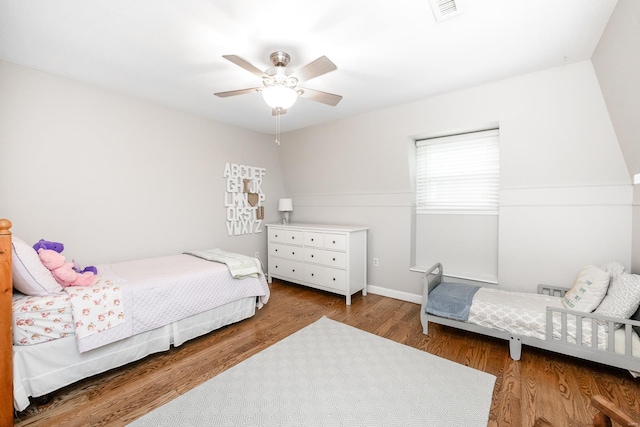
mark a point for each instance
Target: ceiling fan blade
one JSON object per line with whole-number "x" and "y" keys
{"x": 275, "y": 112}
{"x": 314, "y": 69}
{"x": 237, "y": 92}
{"x": 319, "y": 96}
{"x": 245, "y": 64}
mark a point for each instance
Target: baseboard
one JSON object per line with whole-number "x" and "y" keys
{"x": 402, "y": 296}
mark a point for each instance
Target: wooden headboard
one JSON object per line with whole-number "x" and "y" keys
{"x": 6, "y": 358}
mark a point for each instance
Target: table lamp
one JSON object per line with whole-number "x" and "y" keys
{"x": 285, "y": 206}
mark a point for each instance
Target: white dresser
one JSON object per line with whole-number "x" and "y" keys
{"x": 328, "y": 257}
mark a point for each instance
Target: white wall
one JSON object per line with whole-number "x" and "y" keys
{"x": 116, "y": 178}
{"x": 470, "y": 248}
{"x": 565, "y": 193}
{"x": 617, "y": 65}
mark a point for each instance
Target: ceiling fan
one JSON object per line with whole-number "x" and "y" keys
{"x": 281, "y": 88}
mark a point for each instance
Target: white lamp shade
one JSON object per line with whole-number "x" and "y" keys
{"x": 285, "y": 205}
{"x": 279, "y": 96}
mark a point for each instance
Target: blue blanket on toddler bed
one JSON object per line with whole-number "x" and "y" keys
{"x": 451, "y": 300}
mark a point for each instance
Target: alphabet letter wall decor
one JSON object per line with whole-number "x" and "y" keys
{"x": 244, "y": 199}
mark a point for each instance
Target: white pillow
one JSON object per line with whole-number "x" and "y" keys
{"x": 588, "y": 290}
{"x": 613, "y": 268}
{"x": 623, "y": 297}
{"x": 29, "y": 275}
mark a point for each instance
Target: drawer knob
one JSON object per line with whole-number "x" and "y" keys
{"x": 334, "y": 259}
{"x": 334, "y": 242}
{"x": 293, "y": 253}
{"x": 312, "y": 275}
{"x": 311, "y": 256}
{"x": 334, "y": 279}
{"x": 312, "y": 239}
{"x": 294, "y": 270}
{"x": 276, "y": 250}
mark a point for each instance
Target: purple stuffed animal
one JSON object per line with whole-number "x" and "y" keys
{"x": 59, "y": 247}
{"x": 46, "y": 244}
{"x": 81, "y": 270}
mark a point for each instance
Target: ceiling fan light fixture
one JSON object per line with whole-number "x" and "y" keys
{"x": 279, "y": 97}
{"x": 280, "y": 85}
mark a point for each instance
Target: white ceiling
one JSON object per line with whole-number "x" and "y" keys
{"x": 387, "y": 52}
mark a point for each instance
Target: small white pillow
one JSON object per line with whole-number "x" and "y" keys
{"x": 623, "y": 297}
{"x": 613, "y": 268}
{"x": 588, "y": 290}
{"x": 29, "y": 275}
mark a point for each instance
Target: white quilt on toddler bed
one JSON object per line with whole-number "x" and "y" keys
{"x": 518, "y": 313}
{"x": 525, "y": 314}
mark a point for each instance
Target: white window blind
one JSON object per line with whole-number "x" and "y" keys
{"x": 459, "y": 173}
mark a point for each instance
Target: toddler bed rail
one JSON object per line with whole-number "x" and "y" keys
{"x": 617, "y": 349}
{"x": 567, "y": 332}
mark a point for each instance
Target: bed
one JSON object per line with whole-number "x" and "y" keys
{"x": 136, "y": 308}
{"x": 547, "y": 323}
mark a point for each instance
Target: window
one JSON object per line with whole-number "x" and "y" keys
{"x": 457, "y": 201}
{"x": 459, "y": 173}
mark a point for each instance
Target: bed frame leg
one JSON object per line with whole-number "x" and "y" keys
{"x": 515, "y": 347}
{"x": 424, "y": 319}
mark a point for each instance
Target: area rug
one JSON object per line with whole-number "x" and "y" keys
{"x": 331, "y": 374}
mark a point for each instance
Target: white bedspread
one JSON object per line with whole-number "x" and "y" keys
{"x": 157, "y": 291}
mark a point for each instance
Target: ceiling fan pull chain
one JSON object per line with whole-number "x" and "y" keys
{"x": 278, "y": 126}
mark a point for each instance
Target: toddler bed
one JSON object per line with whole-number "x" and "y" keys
{"x": 543, "y": 320}
{"x": 136, "y": 308}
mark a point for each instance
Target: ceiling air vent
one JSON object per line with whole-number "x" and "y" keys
{"x": 445, "y": 9}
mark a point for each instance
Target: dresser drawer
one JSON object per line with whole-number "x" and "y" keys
{"x": 324, "y": 257}
{"x": 286, "y": 268}
{"x": 327, "y": 277}
{"x": 295, "y": 253}
{"x": 314, "y": 239}
{"x": 335, "y": 241}
{"x": 277, "y": 235}
{"x": 313, "y": 255}
{"x": 294, "y": 237}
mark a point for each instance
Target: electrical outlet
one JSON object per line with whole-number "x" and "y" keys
{"x": 375, "y": 262}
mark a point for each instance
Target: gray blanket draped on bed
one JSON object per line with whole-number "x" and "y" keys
{"x": 451, "y": 300}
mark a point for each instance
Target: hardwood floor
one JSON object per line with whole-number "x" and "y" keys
{"x": 543, "y": 388}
